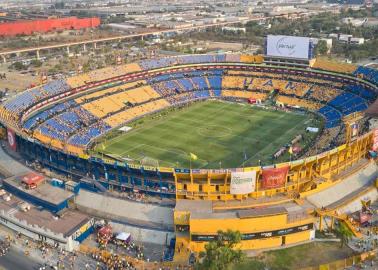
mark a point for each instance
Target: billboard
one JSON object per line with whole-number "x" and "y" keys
{"x": 375, "y": 140}
{"x": 12, "y": 139}
{"x": 243, "y": 182}
{"x": 274, "y": 177}
{"x": 258, "y": 235}
{"x": 288, "y": 46}
{"x": 354, "y": 130}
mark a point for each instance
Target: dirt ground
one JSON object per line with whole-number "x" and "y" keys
{"x": 224, "y": 46}
{"x": 15, "y": 81}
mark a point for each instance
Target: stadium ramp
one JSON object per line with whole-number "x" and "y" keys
{"x": 344, "y": 198}
{"x": 346, "y": 188}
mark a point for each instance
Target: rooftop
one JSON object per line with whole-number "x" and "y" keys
{"x": 69, "y": 222}
{"x": 44, "y": 191}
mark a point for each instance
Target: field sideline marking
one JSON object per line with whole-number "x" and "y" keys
{"x": 176, "y": 151}
{"x": 173, "y": 115}
{"x": 241, "y": 165}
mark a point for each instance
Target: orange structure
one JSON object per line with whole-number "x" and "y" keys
{"x": 44, "y": 26}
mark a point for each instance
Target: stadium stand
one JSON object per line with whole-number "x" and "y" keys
{"x": 367, "y": 73}
{"x": 361, "y": 91}
{"x": 332, "y": 116}
{"x": 78, "y": 80}
{"x": 135, "y": 112}
{"x": 293, "y": 101}
{"x": 258, "y": 59}
{"x": 348, "y": 103}
{"x": 102, "y": 74}
{"x": 244, "y": 94}
{"x": 60, "y": 107}
{"x": 324, "y": 64}
{"x": 179, "y": 60}
{"x": 28, "y": 97}
{"x": 321, "y": 93}
{"x": 117, "y": 101}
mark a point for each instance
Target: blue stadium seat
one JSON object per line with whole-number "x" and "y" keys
{"x": 331, "y": 115}
{"x": 370, "y": 74}
{"x": 361, "y": 91}
{"x": 31, "y": 96}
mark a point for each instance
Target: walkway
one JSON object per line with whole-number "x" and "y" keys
{"x": 148, "y": 216}
{"x": 345, "y": 188}
{"x": 9, "y": 166}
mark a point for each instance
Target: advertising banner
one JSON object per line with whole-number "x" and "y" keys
{"x": 364, "y": 217}
{"x": 354, "y": 129}
{"x": 375, "y": 140}
{"x": 274, "y": 177}
{"x": 288, "y": 46}
{"x": 243, "y": 182}
{"x": 12, "y": 139}
{"x": 259, "y": 235}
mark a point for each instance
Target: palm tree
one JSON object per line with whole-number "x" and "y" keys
{"x": 344, "y": 233}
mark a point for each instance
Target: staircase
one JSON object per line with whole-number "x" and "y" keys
{"x": 98, "y": 185}
{"x": 211, "y": 93}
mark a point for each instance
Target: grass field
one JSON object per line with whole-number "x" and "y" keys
{"x": 221, "y": 134}
{"x": 298, "y": 257}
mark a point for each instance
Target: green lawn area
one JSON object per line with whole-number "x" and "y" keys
{"x": 221, "y": 134}
{"x": 297, "y": 257}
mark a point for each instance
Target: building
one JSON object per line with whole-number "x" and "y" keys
{"x": 234, "y": 29}
{"x": 67, "y": 230}
{"x": 43, "y": 26}
{"x": 197, "y": 223}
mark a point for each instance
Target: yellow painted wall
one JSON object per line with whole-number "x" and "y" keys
{"x": 216, "y": 186}
{"x": 247, "y": 225}
{"x": 211, "y": 226}
{"x": 297, "y": 237}
{"x": 261, "y": 243}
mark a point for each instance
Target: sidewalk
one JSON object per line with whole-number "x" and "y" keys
{"x": 51, "y": 257}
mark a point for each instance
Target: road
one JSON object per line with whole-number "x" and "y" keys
{"x": 16, "y": 260}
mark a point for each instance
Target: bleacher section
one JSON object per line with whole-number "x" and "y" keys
{"x": 135, "y": 112}
{"x": 297, "y": 102}
{"x": 180, "y": 60}
{"x": 366, "y": 73}
{"x": 321, "y": 93}
{"x": 332, "y": 116}
{"x": 201, "y": 85}
{"x": 361, "y": 91}
{"x": 31, "y": 96}
{"x": 102, "y": 74}
{"x": 334, "y": 66}
{"x": 48, "y": 113}
{"x": 114, "y": 99}
{"x": 348, "y": 103}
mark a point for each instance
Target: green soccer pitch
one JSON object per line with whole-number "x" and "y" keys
{"x": 221, "y": 134}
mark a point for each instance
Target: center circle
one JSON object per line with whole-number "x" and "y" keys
{"x": 214, "y": 131}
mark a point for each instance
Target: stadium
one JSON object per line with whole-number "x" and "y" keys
{"x": 245, "y": 142}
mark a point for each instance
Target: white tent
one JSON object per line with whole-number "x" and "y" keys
{"x": 123, "y": 236}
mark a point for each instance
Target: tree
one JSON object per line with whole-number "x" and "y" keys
{"x": 343, "y": 232}
{"x": 221, "y": 253}
{"x": 321, "y": 48}
{"x": 36, "y": 63}
{"x": 19, "y": 66}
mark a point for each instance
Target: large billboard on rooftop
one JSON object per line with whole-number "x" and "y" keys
{"x": 288, "y": 47}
